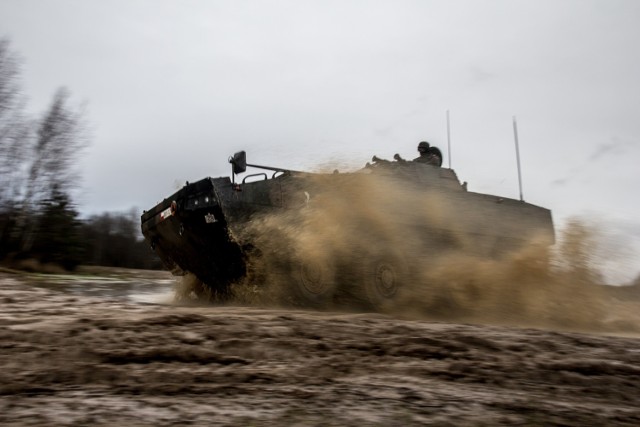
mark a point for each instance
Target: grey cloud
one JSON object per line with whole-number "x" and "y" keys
{"x": 615, "y": 147}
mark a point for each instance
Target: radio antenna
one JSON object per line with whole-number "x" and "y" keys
{"x": 449, "y": 139}
{"x": 515, "y": 134}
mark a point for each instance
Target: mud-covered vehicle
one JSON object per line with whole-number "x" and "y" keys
{"x": 367, "y": 234}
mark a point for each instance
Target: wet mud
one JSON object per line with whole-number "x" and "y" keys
{"x": 76, "y": 358}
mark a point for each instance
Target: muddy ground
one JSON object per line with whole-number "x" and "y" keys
{"x": 111, "y": 351}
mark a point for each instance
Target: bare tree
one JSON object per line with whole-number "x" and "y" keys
{"x": 14, "y": 146}
{"x": 60, "y": 137}
{"x": 14, "y": 130}
{"x": 38, "y": 172}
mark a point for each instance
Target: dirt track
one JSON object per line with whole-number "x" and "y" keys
{"x": 71, "y": 359}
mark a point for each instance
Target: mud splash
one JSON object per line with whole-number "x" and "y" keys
{"x": 452, "y": 276}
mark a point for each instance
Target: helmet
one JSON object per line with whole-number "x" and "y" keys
{"x": 423, "y": 146}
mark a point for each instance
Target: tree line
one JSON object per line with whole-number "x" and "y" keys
{"x": 39, "y": 221}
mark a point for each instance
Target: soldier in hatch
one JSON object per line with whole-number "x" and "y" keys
{"x": 429, "y": 155}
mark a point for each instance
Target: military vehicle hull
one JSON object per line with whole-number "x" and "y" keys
{"x": 322, "y": 233}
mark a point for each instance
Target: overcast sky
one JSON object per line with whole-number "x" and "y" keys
{"x": 173, "y": 88}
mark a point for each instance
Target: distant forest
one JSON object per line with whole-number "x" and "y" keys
{"x": 39, "y": 222}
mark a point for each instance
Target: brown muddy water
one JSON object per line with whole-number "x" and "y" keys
{"x": 134, "y": 286}
{"x": 115, "y": 350}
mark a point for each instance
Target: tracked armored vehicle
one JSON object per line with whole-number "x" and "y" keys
{"x": 365, "y": 233}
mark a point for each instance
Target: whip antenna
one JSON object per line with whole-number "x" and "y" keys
{"x": 515, "y": 134}
{"x": 449, "y": 139}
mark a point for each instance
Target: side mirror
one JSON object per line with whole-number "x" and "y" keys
{"x": 238, "y": 162}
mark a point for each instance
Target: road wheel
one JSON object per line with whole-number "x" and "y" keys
{"x": 314, "y": 282}
{"x": 384, "y": 280}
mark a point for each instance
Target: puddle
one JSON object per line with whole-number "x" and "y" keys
{"x": 136, "y": 290}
